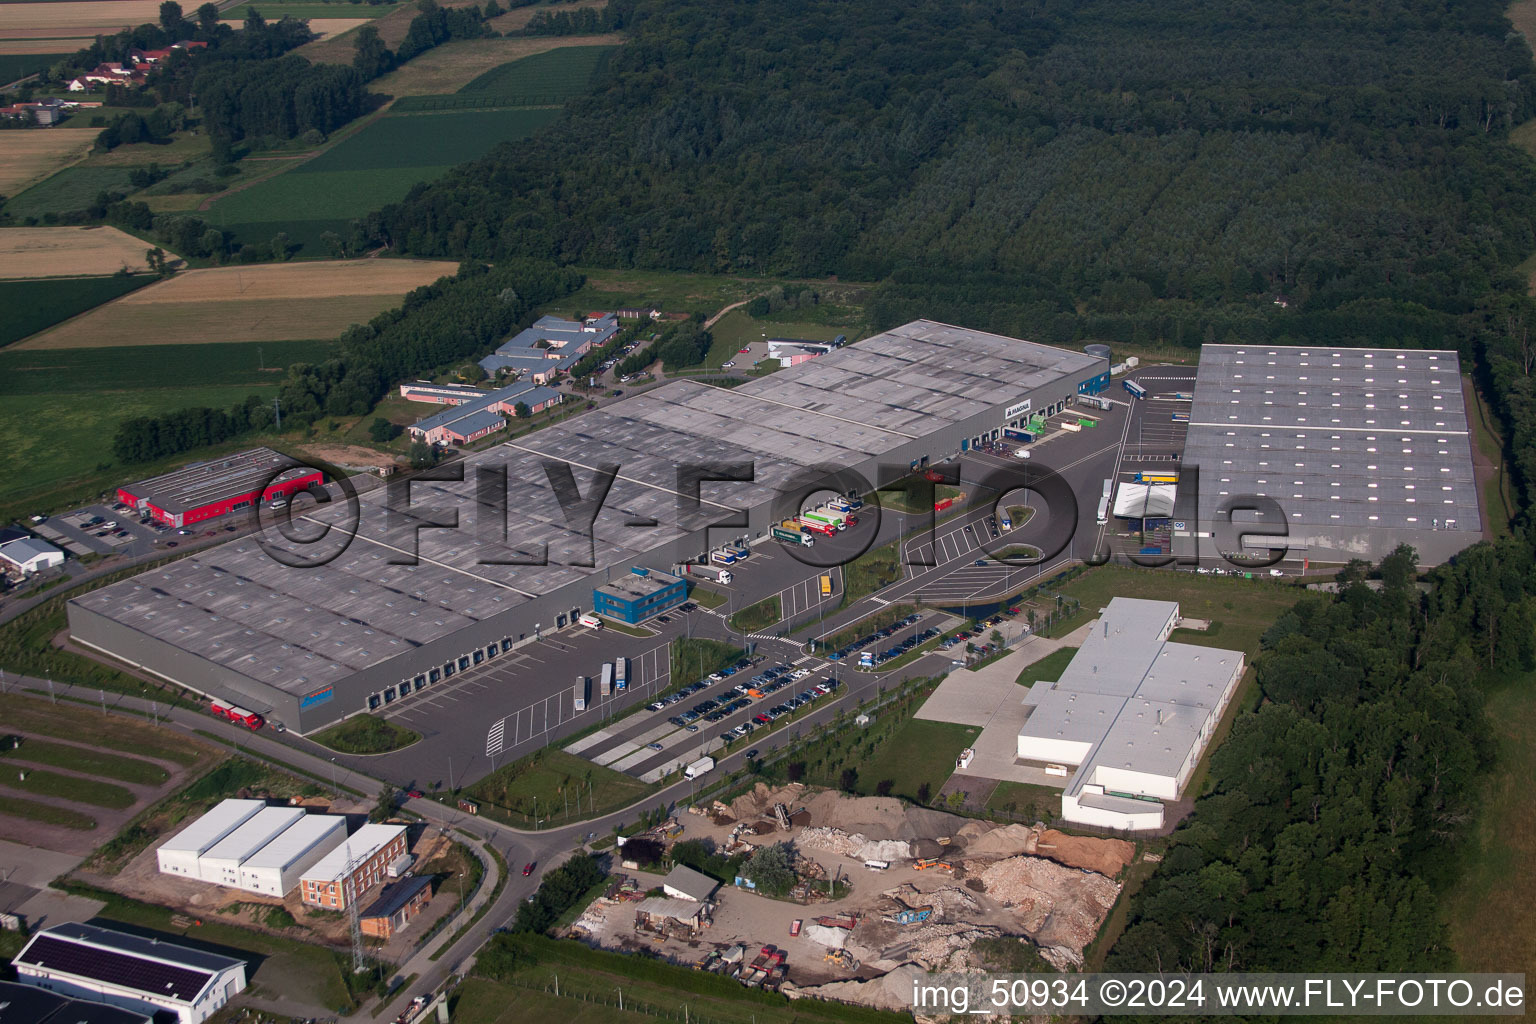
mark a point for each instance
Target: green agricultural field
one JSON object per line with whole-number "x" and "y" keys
{"x": 131, "y": 367}
{"x": 71, "y": 189}
{"x": 19, "y": 65}
{"x": 370, "y": 169}
{"x": 31, "y": 306}
{"x": 310, "y": 9}
{"x": 542, "y": 80}
{"x": 60, "y": 451}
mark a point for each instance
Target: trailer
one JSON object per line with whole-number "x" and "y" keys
{"x": 605, "y": 688}
{"x": 237, "y": 714}
{"x": 817, "y": 526}
{"x": 1097, "y": 401}
{"x": 1181, "y": 417}
{"x": 708, "y": 572}
{"x": 1136, "y": 390}
{"x": 1071, "y": 427}
{"x": 621, "y": 673}
{"x": 723, "y": 557}
{"x": 1021, "y": 436}
{"x": 1157, "y": 478}
{"x": 579, "y": 696}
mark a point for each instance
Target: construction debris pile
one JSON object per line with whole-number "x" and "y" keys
{"x": 1062, "y": 907}
{"x": 835, "y": 840}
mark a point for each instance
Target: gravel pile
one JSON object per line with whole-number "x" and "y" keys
{"x": 855, "y": 845}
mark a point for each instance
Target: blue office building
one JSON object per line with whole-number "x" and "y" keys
{"x": 642, "y": 594}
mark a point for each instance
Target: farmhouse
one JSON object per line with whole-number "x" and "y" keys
{"x": 1132, "y": 714}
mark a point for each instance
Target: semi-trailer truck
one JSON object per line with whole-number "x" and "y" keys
{"x": 621, "y": 673}
{"x": 579, "y": 696}
{"x": 709, "y": 572}
{"x": 792, "y": 535}
{"x": 605, "y": 688}
{"x": 240, "y": 716}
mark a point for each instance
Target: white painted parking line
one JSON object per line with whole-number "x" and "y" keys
{"x": 624, "y": 749}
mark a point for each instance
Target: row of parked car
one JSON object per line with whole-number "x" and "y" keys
{"x": 778, "y": 711}
{"x": 874, "y": 638}
{"x": 964, "y": 635}
{"x": 904, "y": 646}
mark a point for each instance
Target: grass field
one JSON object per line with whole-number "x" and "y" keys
{"x": 32, "y": 306}
{"x": 1048, "y": 669}
{"x": 133, "y": 367}
{"x": 306, "y": 9}
{"x": 132, "y": 770}
{"x": 520, "y": 71}
{"x": 365, "y": 171}
{"x": 366, "y": 734}
{"x": 1025, "y": 802}
{"x": 736, "y": 329}
{"x": 60, "y": 452}
{"x": 1491, "y": 927}
{"x": 29, "y": 157}
{"x": 42, "y": 782}
{"x": 1244, "y": 609}
{"x": 548, "y": 782}
{"x": 47, "y": 814}
{"x": 271, "y": 302}
{"x": 1498, "y": 503}
{"x": 920, "y": 752}
{"x": 68, "y": 252}
{"x": 758, "y": 616}
{"x": 84, "y": 725}
{"x": 876, "y": 568}
{"x": 37, "y": 55}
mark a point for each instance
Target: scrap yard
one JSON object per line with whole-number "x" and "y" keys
{"x": 881, "y": 889}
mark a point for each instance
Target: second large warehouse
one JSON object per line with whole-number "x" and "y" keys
{"x": 1359, "y": 450}
{"x": 308, "y": 647}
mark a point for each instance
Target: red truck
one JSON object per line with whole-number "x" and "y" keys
{"x": 240, "y": 716}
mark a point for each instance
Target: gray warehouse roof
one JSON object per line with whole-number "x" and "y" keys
{"x": 299, "y": 630}
{"x": 1340, "y": 438}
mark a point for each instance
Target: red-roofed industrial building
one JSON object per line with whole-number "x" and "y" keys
{"x": 213, "y": 488}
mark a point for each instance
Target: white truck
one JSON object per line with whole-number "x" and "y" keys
{"x": 711, "y": 572}
{"x": 700, "y": 767}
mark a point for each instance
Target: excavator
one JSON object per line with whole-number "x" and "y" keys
{"x": 842, "y": 958}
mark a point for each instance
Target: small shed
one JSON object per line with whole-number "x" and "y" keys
{"x": 684, "y": 883}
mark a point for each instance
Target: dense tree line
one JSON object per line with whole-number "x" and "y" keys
{"x": 436, "y": 325}
{"x": 1342, "y": 803}
{"x": 1136, "y": 171}
{"x": 280, "y": 98}
{"x": 436, "y": 25}
{"x": 558, "y": 891}
{"x": 580, "y": 22}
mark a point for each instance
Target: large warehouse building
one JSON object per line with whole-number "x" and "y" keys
{"x": 309, "y": 647}
{"x": 1361, "y": 449}
{"x": 1129, "y": 717}
{"x": 245, "y": 844}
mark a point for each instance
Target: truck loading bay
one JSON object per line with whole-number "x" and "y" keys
{"x": 515, "y": 705}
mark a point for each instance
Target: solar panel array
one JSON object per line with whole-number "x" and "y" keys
{"x": 113, "y": 968}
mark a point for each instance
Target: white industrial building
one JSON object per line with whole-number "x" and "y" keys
{"x": 179, "y": 854}
{"x": 276, "y": 868}
{"x": 221, "y": 863}
{"x": 245, "y": 844}
{"x": 30, "y": 555}
{"x": 1130, "y": 716}
{"x": 158, "y": 978}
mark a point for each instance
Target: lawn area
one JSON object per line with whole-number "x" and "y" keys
{"x": 1048, "y": 669}
{"x": 694, "y": 658}
{"x": 666, "y": 290}
{"x": 1018, "y": 515}
{"x": 83, "y": 759}
{"x": 1497, "y": 500}
{"x": 60, "y": 451}
{"x": 736, "y": 330}
{"x": 1244, "y": 608}
{"x": 920, "y": 753}
{"x": 899, "y": 497}
{"x": 67, "y": 787}
{"x": 366, "y": 734}
{"x": 119, "y": 368}
{"x": 874, "y": 569}
{"x": 1015, "y": 551}
{"x": 706, "y": 598}
{"x": 34, "y": 305}
{"x": 1491, "y": 927}
{"x": 758, "y": 616}
{"x": 560, "y": 787}
{"x": 47, "y": 814}
{"x": 1023, "y": 802}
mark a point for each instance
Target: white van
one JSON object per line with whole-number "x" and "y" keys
{"x": 591, "y": 621}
